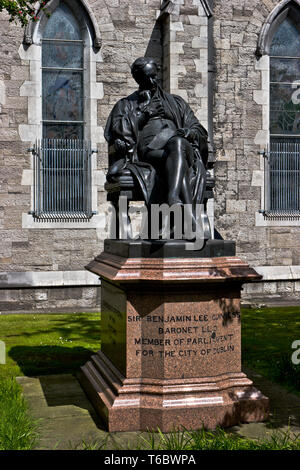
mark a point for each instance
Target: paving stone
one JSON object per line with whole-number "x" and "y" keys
{"x": 70, "y": 420}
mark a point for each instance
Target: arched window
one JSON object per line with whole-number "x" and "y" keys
{"x": 283, "y": 164}
{"x": 62, "y": 76}
{"x": 62, "y": 166}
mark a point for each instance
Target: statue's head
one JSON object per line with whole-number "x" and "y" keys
{"x": 144, "y": 70}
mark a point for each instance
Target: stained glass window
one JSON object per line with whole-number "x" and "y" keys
{"x": 283, "y": 164}
{"x": 62, "y": 66}
{"x": 62, "y": 158}
{"x": 62, "y": 25}
{"x": 284, "y": 75}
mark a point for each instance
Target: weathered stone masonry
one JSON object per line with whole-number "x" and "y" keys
{"x": 127, "y": 30}
{"x": 241, "y": 121}
{"x": 207, "y": 55}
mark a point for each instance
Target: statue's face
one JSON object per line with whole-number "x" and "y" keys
{"x": 147, "y": 77}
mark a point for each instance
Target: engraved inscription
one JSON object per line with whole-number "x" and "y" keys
{"x": 186, "y": 335}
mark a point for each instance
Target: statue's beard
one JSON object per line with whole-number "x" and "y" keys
{"x": 150, "y": 84}
{"x": 145, "y": 97}
{"x": 153, "y": 83}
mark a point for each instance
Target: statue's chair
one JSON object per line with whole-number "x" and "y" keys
{"x": 123, "y": 184}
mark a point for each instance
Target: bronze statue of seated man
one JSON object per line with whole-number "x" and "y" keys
{"x": 154, "y": 135}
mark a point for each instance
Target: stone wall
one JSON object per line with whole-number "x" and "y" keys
{"x": 51, "y": 299}
{"x": 240, "y": 133}
{"x": 238, "y": 122}
{"x": 128, "y": 30}
{"x": 236, "y": 110}
{"x": 185, "y": 55}
{"x": 277, "y": 293}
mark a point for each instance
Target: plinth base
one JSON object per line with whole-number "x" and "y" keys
{"x": 165, "y": 249}
{"x": 171, "y": 344}
{"x": 170, "y": 404}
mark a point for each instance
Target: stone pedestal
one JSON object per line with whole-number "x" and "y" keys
{"x": 171, "y": 344}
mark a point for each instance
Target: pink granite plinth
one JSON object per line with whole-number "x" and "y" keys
{"x": 171, "y": 345}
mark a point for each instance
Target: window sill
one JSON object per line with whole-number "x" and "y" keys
{"x": 96, "y": 222}
{"x": 262, "y": 221}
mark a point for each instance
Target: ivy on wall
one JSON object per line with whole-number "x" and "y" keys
{"x": 22, "y": 11}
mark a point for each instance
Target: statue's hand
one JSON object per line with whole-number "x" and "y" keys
{"x": 155, "y": 108}
{"x": 120, "y": 146}
{"x": 186, "y": 133}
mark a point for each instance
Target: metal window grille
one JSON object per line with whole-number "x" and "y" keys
{"x": 282, "y": 174}
{"x": 62, "y": 180}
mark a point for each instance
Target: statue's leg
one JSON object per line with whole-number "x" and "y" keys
{"x": 186, "y": 190}
{"x": 178, "y": 155}
{"x": 190, "y": 222}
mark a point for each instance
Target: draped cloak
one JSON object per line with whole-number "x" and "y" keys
{"x": 122, "y": 124}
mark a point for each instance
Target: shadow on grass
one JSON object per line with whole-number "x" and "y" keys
{"x": 46, "y": 360}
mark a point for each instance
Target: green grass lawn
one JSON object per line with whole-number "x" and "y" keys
{"x": 48, "y": 344}
{"x": 61, "y": 343}
{"x": 18, "y": 430}
{"x": 267, "y": 337}
{"x": 37, "y": 345}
